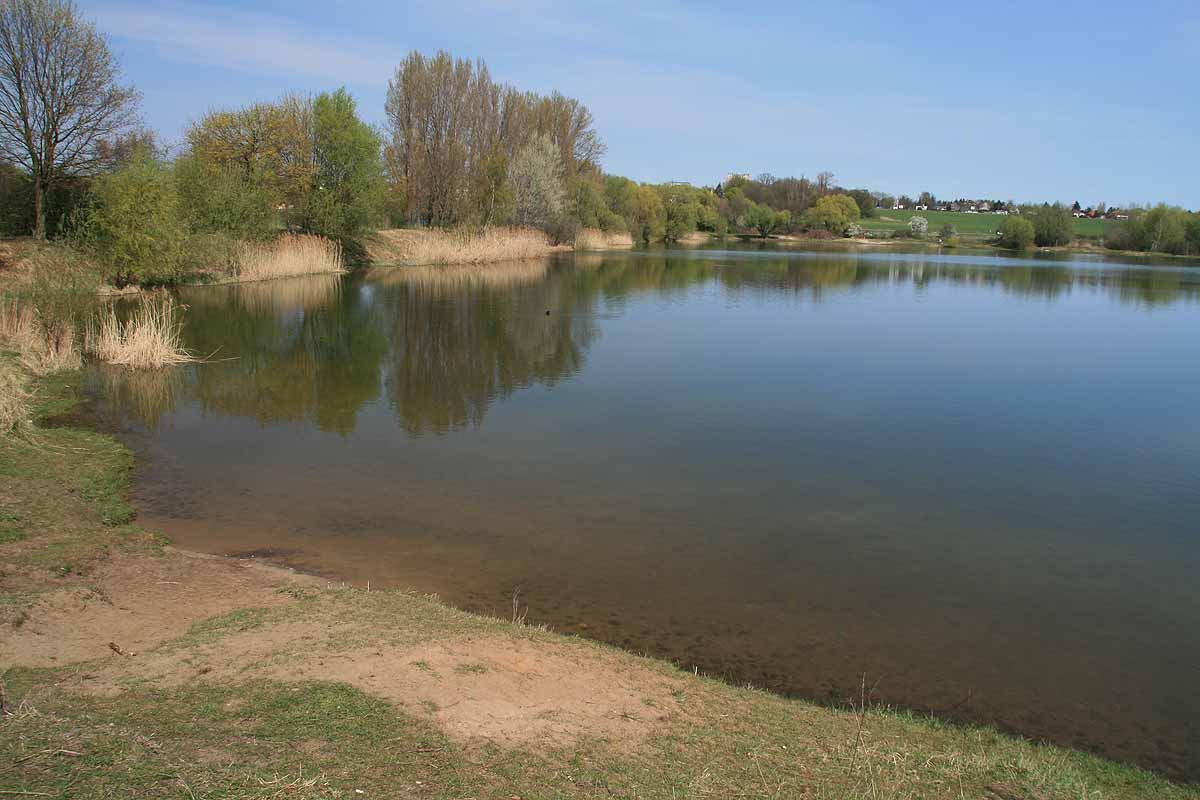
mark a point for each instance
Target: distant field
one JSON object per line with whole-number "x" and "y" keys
{"x": 968, "y": 224}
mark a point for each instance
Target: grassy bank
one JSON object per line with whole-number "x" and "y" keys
{"x": 133, "y": 669}
{"x": 974, "y": 225}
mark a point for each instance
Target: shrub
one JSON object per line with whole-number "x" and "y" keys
{"x": 1016, "y": 233}
{"x": 855, "y": 231}
{"x": 919, "y": 226}
{"x": 223, "y": 200}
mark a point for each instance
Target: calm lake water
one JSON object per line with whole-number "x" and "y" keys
{"x": 974, "y": 480}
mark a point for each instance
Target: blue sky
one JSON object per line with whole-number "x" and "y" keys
{"x": 1050, "y": 100}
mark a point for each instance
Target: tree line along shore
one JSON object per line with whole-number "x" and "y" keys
{"x": 130, "y": 668}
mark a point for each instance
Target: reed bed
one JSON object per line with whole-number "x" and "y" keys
{"x": 291, "y": 254}
{"x": 42, "y": 345}
{"x": 428, "y": 246}
{"x": 150, "y": 337}
{"x": 596, "y": 239}
{"x": 454, "y": 278}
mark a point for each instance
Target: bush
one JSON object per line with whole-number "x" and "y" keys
{"x": 223, "y": 200}
{"x": 564, "y": 230}
{"x": 948, "y": 231}
{"x": 1016, "y": 233}
{"x": 919, "y": 226}
{"x": 132, "y": 224}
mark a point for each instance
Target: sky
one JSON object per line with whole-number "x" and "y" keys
{"x": 1095, "y": 101}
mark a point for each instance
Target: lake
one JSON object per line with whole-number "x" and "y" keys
{"x": 974, "y": 480}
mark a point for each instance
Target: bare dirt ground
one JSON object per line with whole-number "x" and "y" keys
{"x": 142, "y": 619}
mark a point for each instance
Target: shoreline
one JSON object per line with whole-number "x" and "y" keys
{"x": 235, "y": 623}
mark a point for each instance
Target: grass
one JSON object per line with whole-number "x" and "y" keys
{"x": 247, "y": 736}
{"x": 289, "y": 255}
{"x": 426, "y": 246}
{"x": 596, "y": 239}
{"x": 983, "y": 225}
{"x": 150, "y": 337}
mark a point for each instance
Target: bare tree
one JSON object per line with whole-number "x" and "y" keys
{"x": 59, "y": 95}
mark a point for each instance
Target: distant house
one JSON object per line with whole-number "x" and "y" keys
{"x": 984, "y": 207}
{"x": 921, "y": 208}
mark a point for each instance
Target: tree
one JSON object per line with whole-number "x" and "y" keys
{"x": 766, "y": 220}
{"x": 866, "y": 203}
{"x": 681, "y": 208}
{"x": 133, "y": 224}
{"x": 450, "y": 124}
{"x": 834, "y": 213}
{"x": 536, "y": 183}
{"x": 348, "y": 187}
{"x": 270, "y": 144}
{"x": 918, "y": 226}
{"x": 59, "y": 95}
{"x": 1016, "y": 233}
{"x": 1052, "y": 226}
{"x": 648, "y": 219}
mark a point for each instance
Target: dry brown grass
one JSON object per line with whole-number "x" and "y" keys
{"x": 455, "y": 278}
{"x": 150, "y": 337}
{"x": 596, "y": 239}
{"x": 427, "y": 246}
{"x": 14, "y": 399}
{"x": 42, "y": 346}
{"x": 292, "y": 254}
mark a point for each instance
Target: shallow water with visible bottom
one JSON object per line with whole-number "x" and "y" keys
{"x": 974, "y": 480}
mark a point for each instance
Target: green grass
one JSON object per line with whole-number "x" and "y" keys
{"x": 969, "y": 224}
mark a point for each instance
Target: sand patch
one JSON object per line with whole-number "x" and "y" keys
{"x": 136, "y": 603}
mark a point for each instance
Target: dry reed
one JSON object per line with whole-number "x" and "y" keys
{"x": 455, "y": 278}
{"x": 43, "y": 346}
{"x": 14, "y": 399}
{"x": 596, "y": 239}
{"x": 150, "y": 337}
{"x": 431, "y": 246}
{"x": 292, "y": 254}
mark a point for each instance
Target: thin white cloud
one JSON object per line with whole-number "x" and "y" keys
{"x": 249, "y": 42}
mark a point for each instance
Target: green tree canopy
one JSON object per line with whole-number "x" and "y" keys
{"x": 833, "y": 212}
{"x": 1052, "y": 226}
{"x": 1016, "y": 233}
{"x": 348, "y": 189}
{"x": 767, "y": 220}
